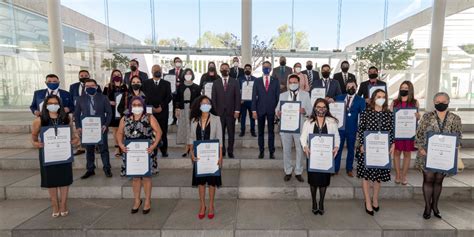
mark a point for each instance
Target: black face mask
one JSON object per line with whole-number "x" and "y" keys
{"x": 403, "y": 92}
{"x": 136, "y": 86}
{"x": 248, "y": 73}
{"x": 133, "y": 68}
{"x": 373, "y": 75}
{"x": 351, "y": 91}
{"x": 344, "y": 69}
{"x": 309, "y": 67}
{"x": 325, "y": 74}
{"x": 225, "y": 73}
{"x": 282, "y": 63}
{"x": 157, "y": 74}
{"x": 83, "y": 79}
{"x": 441, "y": 107}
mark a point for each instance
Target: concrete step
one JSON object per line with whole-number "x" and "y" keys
{"x": 237, "y": 184}
{"x": 234, "y": 218}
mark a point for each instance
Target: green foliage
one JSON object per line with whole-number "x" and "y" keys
{"x": 283, "y": 39}
{"x": 118, "y": 61}
{"x": 468, "y": 48}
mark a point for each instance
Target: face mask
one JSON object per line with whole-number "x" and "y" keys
{"x": 91, "y": 90}
{"x": 137, "y": 110}
{"x": 188, "y": 77}
{"x": 117, "y": 79}
{"x": 236, "y": 64}
{"x": 83, "y": 79}
{"x": 266, "y": 70}
{"x": 282, "y": 63}
{"x": 321, "y": 112}
{"x": 248, "y": 73}
{"x": 136, "y": 86}
{"x": 297, "y": 69}
{"x": 345, "y": 69}
{"x": 373, "y": 75}
{"x": 351, "y": 91}
{"x": 309, "y": 67}
{"x": 212, "y": 69}
{"x": 325, "y": 74}
{"x": 52, "y": 86}
{"x": 225, "y": 73}
{"x": 133, "y": 68}
{"x": 294, "y": 87}
{"x": 157, "y": 74}
{"x": 441, "y": 107}
{"x": 52, "y": 108}
{"x": 380, "y": 101}
{"x": 403, "y": 92}
{"x": 205, "y": 108}
{"x": 178, "y": 65}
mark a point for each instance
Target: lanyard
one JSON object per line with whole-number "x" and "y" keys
{"x": 203, "y": 128}
{"x": 441, "y": 125}
{"x": 320, "y": 128}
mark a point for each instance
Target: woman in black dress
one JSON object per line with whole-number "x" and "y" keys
{"x": 209, "y": 77}
{"x": 115, "y": 88}
{"x": 320, "y": 122}
{"x": 56, "y": 177}
{"x": 377, "y": 117}
{"x": 205, "y": 126}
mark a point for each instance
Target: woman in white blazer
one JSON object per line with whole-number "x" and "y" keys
{"x": 320, "y": 122}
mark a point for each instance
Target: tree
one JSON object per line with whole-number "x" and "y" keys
{"x": 260, "y": 49}
{"x": 173, "y": 42}
{"x": 468, "y": 48}
{"x": 393, "y": 54}
{"x": 118, "y": 61}
{"x": 283, "y": 39}
{"x": 211, "y": 40}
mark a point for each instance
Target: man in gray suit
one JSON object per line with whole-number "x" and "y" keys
{"x": 226, "y": 103}
{"x": 294, "y": 93}
{"x": 281, "y": 73}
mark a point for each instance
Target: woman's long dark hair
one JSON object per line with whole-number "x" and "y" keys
{"x": 63, "y": 118}
{"x": 111, "y": 81}
{"x": 372, "y": 100}
{"x": 195, "y": 113}
{"x": 313, "y": 116}
{"x": 411, "y": 94}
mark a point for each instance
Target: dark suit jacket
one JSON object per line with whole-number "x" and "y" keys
{"x": 74, "y": 91}
{"x": 265, "y": 102}
{"x": 315, "y": 76}
{"x": 101, "y": 106}
{"x": 40, "y": 95}
{"x": 143, "y": 76}
{"x": 180, "y": 78}
{"x": 364, "y": 88}
{"x": 236, "y": 73}
{"x": 357, "y": 107}
{"x": 282, "y": 78}
{"x": 158, "y": 96}
{"x": 225, "y": 103}
{"x": 333, "y": 90}
{"x": 338, "y": 77}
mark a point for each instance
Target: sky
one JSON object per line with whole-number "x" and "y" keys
{"x": 180, "y": 18}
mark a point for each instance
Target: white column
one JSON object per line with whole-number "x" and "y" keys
{"x": 56, "y": 39}
{"x": 246, "y": 48}
{"x": 436, "y": 52}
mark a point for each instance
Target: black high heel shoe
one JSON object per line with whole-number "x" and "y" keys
{"x": 321, "y": 209}
{"x": 427, "y": 216}
{"x": 437, "y": 214}
{"x": 367, "y": 211}
{"x": 185, "y": 154}
{"x": 133, "y": 211}
{"x": 146, "y": 211}
{"x": 376, "y": 209}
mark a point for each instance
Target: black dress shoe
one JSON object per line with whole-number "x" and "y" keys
{"x": 231, "y": 155}
{"x": 299, "y": 178}
{"x": 376, "y": 208}
{"x": 253, "y": 134}
{"x": 287, "y": 177}
{"x": 260, "y": 156}
{"x": 79, "y": 152}
{"x": 272, "y": 156}
{"x": 108, "y": 173}
{"x": 241, "y": 134}
{"x": 321, "y": 211}
{"x": 427, "y": 216}
{"x": 315, "y": 212}
{"x": 437, "y": 214}
{"x": 164, "y": 154}
{"x": 367, "y": 211}
{"x": 88, "y": 174}
{"x": 133, "y": 211}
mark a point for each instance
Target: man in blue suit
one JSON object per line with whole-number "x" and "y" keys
{"x": 332, "y": 86}
{"x": 265, "y": 97}
{"x": 246, "y": 77}
{"x": 77, "y": 89}
{"x": 354, "y": 106}
{"x": 52, "y": 83}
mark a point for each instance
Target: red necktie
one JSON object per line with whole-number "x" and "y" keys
{"x": 267, "y": 84}
{"x": 225, "y": 84}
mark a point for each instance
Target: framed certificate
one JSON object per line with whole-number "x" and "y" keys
{"x": 118, "y": 97}
{"x": 57, "y": 145}
{"x": 405, "y": 123}
{"x": 137, "y": 158}
{"x": 316, "y": 93}
{"x": 338, "y": 110}
{"x": 321, "y": 157}
{"x": 172, "y": 80}
{"x": 247, "y": 89}
{"x": 208, "y": 89}
{"x": 149, "y": 109}
{"x": 374, "y": 88}
{"x": 208, "y": 152}
{"x": 91, "y": 130}
{"x": 377, "y": 151}
{"x": 442, "y": 152}
{"x": 290, "y": 120}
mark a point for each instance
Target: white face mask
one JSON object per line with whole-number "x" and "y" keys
{"x": 236, "y": 64}
{"x": 52, "y": 108}
{"x": 294, "y": 87}
{"x": 178, "y": 65}
{"x": 380, "y": 101}
{"x": 188, "y": 77}
{"x": 137, "y": 110}
{"x": 297, "y": 69}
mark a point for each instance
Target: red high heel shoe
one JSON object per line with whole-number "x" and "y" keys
{"x": 201, "y": 216}
{"x": 210, "y": 216}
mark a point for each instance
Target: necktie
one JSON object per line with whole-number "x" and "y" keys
{"x": 310, "y": 78}
{"x": 225, "y": 84}
{"x": 282, "y": 70}
{"x": 345, "y": 78}
{"x": 349, "y": 98}
{"x": 177, "y": 74}
{"x": 156, "y": 83}
{"x": 236, "y": 72}
{"x": 294, "y": 95}
{"x": 267, "y": 84}
{"x": 92, "y": 103}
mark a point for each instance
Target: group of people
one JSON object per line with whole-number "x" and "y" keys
{"x": 136, "y": 107}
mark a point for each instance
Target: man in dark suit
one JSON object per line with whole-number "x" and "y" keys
{"x": 354, "y": 106}
{"x": 312, "y": 75}
{"x": 158, "y": 94}
{"x": 235, "y": 70}
{"x": 178, "y": 71}
{"x": 332, "y": 86}
{"x": 226, "y": 103}
{"x": 52, "y": 84}
{"x": 246, "y": 105}
{"x": 344, "y": 76}
{"x": 374, "y": 80}
{"x": 281, "y": 73}
{"x": 94, "y": 103}
{"x": 265, "y": 97}
{"x": 134, "y": 72}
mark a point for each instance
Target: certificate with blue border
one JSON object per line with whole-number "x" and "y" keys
{"x": 405, "y": 123}
{"x": 442, "y": 152}
{"x": 377, "y": 150}
{"x": 338, "y": 110}
{"x": 137, "y": 158}
{"x": 321, "y": 157}
{"x": 57, "y": 145}
{"x": 91, "y": 127}
{"x": 290, "y": 121}
{"x": 207, "y": 153}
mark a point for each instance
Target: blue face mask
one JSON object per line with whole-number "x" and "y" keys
{"x": 205, "y": 108}
{"x": 91, "y": 90}
{"x": 52, "y": 86}
{"x": 266, "y": 70}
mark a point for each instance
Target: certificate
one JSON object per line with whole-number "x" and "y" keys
{"x": 338, "y": 110}
{"x": 376, "y": 146}
{"x": 91, "y": 130}
{"x": 405, "y": 123}
{"x": 149, "y": 109}
{"x": 321, "y": 157}
{"x": 442, "y": 152}
{"x": 374, "y": 88}
{"x": 172, "y": 80}
{"x": 137, "y": 158}
{"x": 247, "y": 89}
{"x": 208, "y": 152}
{"x": 118, "y": 97}
{"x": 208, "y": 89}
{"x": 57, "y": 145}
{"x": 316, "y": 93}
{"x": 290, "y": 116}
